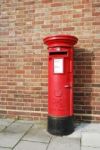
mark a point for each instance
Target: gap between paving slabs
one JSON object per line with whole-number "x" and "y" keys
{"x": 36, "y": 138}
{"x": 10, "y": 136}
{"x": 4, "y": 123}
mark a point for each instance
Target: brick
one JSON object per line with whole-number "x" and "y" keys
{"x": 96, "y": 23}
{"x": 20, "y": 71}
{"x": 47, "y": 1}
{"x": 47, "y": 26}
{"x": 77, "y": 15}
{"x": 68, "y": 29}
{"x": 96, "y": 13}
{"x": 85, "y": 1}
{"x": 78, "y": 6}
{"x": 57, "y": 12}
{"x": 57, "y": 4}
{"x": 29, "y": 2}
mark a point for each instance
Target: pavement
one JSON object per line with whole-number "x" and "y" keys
{"x": 32, "y": 135}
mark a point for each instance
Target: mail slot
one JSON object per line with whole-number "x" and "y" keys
{"x": 60, "y": 83}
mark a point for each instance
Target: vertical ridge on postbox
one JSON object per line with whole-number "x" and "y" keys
{"x": 60, "y": 83}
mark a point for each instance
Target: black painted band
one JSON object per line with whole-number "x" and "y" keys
{"x": 60, "y": 125}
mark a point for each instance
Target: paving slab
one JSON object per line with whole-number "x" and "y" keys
{"x": 4, "y": 123}
{"x": 38, "y": 135}
{"x": 89, "y": 148}
{"x": 25, "y": 121}
{"x": 90, "y": 127}
{"x": 90, "y": 139}
{"x": 81, "y": 126}
{"x": 26, "y": 145}
{"x": 64, "y": 143}
{"x": 40, "y": 124}
{"x": 11, "y": 135}
{"x": 75, "y": 134}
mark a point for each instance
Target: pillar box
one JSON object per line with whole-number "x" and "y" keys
{"x": 60, "y": 83}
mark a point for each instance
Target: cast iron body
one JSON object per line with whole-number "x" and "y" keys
{"x": 60, "y": 83}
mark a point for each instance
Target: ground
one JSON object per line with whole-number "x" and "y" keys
{"x": 32, "y": 135}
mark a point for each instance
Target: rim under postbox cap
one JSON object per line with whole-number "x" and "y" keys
{"x": 60, "y": 40}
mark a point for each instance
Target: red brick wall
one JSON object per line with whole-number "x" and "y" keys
{"x": 23, "y": 56}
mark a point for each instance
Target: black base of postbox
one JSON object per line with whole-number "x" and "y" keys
{"x": 60, "y": 125}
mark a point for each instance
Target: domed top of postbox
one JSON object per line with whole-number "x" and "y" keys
{"x": 60, "y": 40}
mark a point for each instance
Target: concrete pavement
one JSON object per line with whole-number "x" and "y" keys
{"x": 30, "y": 135}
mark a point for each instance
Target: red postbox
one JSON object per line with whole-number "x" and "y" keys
{"x": 60, "y": 83}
